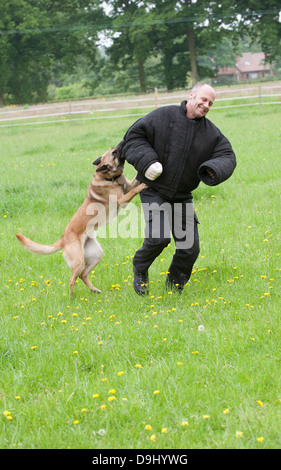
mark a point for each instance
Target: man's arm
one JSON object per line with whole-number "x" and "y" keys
{"x": 221, "y": 164}
{"x": 138, "y": 149}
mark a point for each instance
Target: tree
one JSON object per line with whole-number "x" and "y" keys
{"x": 181, "y": 31}
{"x": 132, "y": 35}
{"x": 260, "y": 19}
{"x": 206, "y": 25}
{"x": 35, "y": 33}
{"x": 167, "y": 38}
{"x": 169, "y": 43}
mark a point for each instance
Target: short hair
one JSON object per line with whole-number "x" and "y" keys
{"x": 197, "y": 87}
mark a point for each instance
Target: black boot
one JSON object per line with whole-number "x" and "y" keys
{"x": 176, "y": 284}
{"x": 141, "y": 282}
{"x": 173, "y": 286}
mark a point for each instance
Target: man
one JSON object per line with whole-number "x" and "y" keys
{"x": 173, "y": 148}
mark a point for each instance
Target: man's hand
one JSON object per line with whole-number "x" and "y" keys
{"x": 211, "y": 173}
{"x": 153, "y": 171}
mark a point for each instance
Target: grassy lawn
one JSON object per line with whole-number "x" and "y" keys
{"x": 114, "y": 370}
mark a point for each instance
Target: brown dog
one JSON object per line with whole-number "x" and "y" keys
{"x": 81, "y": 250}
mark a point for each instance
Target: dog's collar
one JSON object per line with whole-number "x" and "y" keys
{"x": 112, "y": 179}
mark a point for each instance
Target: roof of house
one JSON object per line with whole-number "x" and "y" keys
{"x": 252, "y": 62}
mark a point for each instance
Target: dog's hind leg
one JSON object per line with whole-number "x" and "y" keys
{"x": 74, "y": 256}
{"x": 93, "y": 255}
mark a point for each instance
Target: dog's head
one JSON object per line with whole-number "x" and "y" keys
{"x": 111, "y": 163}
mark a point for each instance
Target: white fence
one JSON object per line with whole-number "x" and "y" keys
{"x": 90, "y": 109}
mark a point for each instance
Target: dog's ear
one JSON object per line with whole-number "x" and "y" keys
{"x": 103, "y": 168}
{"x": 97, "y": 161}
{"x": 118, "y": 150}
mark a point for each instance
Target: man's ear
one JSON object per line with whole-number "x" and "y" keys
{"x": 97, "y": 161}
{"x": 103, "y": 168}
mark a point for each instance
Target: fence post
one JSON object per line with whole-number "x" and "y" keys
{"x": 156, "y": 97}
{"x": 260, "y": 99}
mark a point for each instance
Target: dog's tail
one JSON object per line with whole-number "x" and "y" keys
{"x": 37, "y": 248}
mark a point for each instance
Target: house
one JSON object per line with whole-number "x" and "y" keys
{"x": 249, "y": 66}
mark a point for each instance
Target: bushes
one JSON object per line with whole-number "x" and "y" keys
{"x": 73, "y": 91}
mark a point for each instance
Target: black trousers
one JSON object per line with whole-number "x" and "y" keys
{"x": 163, "y": 218}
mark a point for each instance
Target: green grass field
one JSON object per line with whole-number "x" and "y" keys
{"x": 114, "y": 370}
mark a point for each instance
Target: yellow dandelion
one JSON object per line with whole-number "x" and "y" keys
{"x": 76, "y": 421}
{"x": 95, "y": 395}
{"x": 120, "y": 373}
{"x": 226, "y": 411}
{"x": 185, "y": 423}
{"x": 75, "y": 352}
{"x": 260, "y": 439}
{"x": 138, "y": 366}
{"x": 33, "y": 347}
{"x": 103, "y": 407}
{"x": 164, "y": 430}
{"x": 239, "y": 434}
{"x": 153, "y": 437}
{"x": 260, "y": 402}
{"x": 112, "y": 390}
{"x": 111, "y": 398}
{"x": 148, "y": 427}
{"x": 17, "y": 397}
{"x": 156, "y": 392}
{"x": 206, "y": 416}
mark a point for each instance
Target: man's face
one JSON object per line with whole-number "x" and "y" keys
{"x": 200, "y": 102}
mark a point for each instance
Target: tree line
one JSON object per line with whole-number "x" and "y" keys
{"x": 164, "y": 43}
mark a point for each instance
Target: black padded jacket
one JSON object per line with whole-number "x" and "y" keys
{"x": 185, "y": 147}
